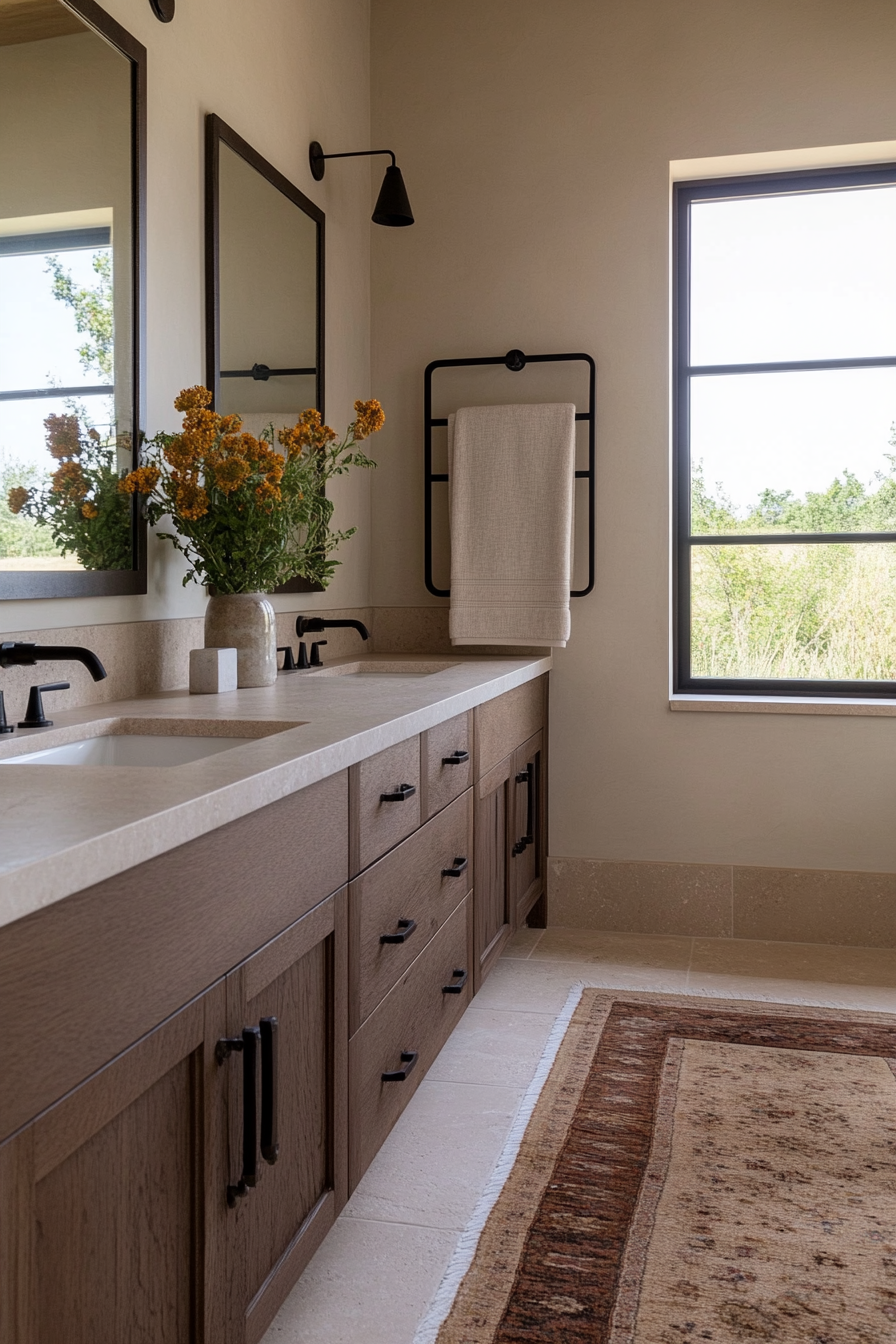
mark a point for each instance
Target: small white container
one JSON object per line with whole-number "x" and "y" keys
{"x": 212, "y": 671}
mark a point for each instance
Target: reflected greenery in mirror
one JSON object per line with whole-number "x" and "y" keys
{"x": 72, "y": 86}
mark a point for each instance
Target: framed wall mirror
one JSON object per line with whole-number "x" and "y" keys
{"x": 72, "y": 193}
{"x": 264, "y": 284}
{"x": 264, "y": 273}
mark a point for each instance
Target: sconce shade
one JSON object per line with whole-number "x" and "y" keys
{"x": 392, "y": 205}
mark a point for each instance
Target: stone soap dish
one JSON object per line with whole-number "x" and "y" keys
{"x": 212, "y": 671}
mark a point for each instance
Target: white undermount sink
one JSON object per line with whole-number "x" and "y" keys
{"x": 160, "y": 743}
{"x": 408, "y": 669}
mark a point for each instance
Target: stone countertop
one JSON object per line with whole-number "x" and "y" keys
{"x": 65, "y": 827}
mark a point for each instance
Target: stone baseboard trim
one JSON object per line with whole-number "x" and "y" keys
{"x": 704, "y": 900}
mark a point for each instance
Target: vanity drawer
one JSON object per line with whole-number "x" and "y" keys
{"x": 417, "y": 1016}
{"x": 382, "y": 811}
{"x": 408, "y": 884}
{"x": 446, "y": 762}
{"x": 503, "y": 724}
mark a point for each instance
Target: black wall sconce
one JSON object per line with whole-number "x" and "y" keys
{"x": 392, "y": 205}
{"x": 163, "y": 9}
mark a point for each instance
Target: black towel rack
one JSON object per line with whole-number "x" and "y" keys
{"x": 515, "y": 361}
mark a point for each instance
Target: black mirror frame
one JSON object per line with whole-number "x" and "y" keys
{"x": 216, "y": 132}
{"x": 25, "y": 585}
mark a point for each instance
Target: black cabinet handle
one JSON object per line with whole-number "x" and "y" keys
{"x": 270, "y": 1069}
{"x": 247, "y": 1044}
{"x": 408, "y": 1059}
{"x": 456, "y": 988}
{"x": 456, "y": 758}
{"x": 460, "y": 864}
{"x": 400, "y": 794}
{"x": 405, "y": 928}
{"x": 527, "y": 777}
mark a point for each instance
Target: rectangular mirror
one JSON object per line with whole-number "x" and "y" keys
{"x": 264, "y": 289}
{"x": 264, "y": 272}
{"x": 72, "y": 155}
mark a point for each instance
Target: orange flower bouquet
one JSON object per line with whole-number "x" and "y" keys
{"x": 80, "y": 502}
{"x": 249, "y": 514}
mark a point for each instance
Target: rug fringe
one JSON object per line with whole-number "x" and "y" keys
{"x": 465, "y": 1250}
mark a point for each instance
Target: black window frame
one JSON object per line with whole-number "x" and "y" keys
{"x": 684, "y": 194}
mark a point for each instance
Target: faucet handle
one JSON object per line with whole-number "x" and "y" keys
{"x": 315, "y": 653}
{"x": 289, "y": 662}
{"x": 34, "y": 714}
{"x": 4, "y": 726}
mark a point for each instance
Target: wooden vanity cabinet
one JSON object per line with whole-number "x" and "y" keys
{"x": 108, "y": 1199}
{"x": 295, "y": 991}
{"x": 114, "y": 1219}
{"x": 510, "y": 796}
{"x": 528, "y": 831}
{"x": 123, "y": 1108}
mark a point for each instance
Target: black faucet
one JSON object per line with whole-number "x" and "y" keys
{"x": 26, "y": 655}
{"x": 310, "y": 625}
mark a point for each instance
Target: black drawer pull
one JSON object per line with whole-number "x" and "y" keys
{"x": 456, "y": 988}
{"x": 460, "y": 863}
{"x": 400, "y": 794}
{"x": 247, "y": 1044}
{"x": 527, "y": 777}
{"x": 456, "y": 758}
{"x": 270, "y": 1145}
{"x": 405, "y": 928}
{"x": 408, "y": 1059}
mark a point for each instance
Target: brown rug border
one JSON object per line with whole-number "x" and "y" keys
{"x": 484, "y": 1292}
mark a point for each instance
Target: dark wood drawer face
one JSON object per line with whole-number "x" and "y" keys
{"x": 503, "y": 724}
{"x": 417, "y": 1016}
{"x": 382, "y": 812}
{"x": 446, "y": 762}
{"x": 408, "y": 884}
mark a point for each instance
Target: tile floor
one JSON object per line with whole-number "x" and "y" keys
{"x": 376, "y": 1273}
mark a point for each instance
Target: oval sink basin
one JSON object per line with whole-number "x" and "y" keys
{"x": 129, "y": 749}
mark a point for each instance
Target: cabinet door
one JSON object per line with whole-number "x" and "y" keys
{"x": 492, "y": 897}
{"x": 104, "y": 1219}
{"x": 299, "y": 979}
{"x": 527, "y": 835}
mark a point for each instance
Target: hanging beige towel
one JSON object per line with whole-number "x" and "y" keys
{"x": 511, "y": 471}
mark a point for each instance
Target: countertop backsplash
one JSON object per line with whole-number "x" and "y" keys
{"x": 142, "y": 657}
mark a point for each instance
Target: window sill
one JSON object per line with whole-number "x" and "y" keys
{"x": 782, "y": 704}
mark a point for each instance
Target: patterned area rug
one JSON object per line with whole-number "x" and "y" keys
{"x": 697, "y": 1170}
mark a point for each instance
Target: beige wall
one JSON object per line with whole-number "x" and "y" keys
{"x": 281, "y": 72}
{"x": 536, "y": 142}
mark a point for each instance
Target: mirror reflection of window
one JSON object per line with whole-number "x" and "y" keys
{"x": 65, "y": 282}
{"x": 268, "y": 295}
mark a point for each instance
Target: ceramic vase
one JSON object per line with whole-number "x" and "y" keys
{"x": 245, "y": 622}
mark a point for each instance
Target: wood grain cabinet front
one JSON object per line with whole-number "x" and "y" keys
{"x": 446, "y": 762}
{"x": 528, "y": 832}
{"x": 384, "y": 802}
{"x": 396, "y": 906}
{"x": 107, "y": 1199}
{"x": 510, "y": 820}
{"x": 391, "y": 1053}
{"x": 291, "y": 998}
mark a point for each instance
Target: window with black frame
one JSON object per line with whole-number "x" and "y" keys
{"x": 785, "y": 434}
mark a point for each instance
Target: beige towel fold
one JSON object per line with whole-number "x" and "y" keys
{"x": 511, "y": 471}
